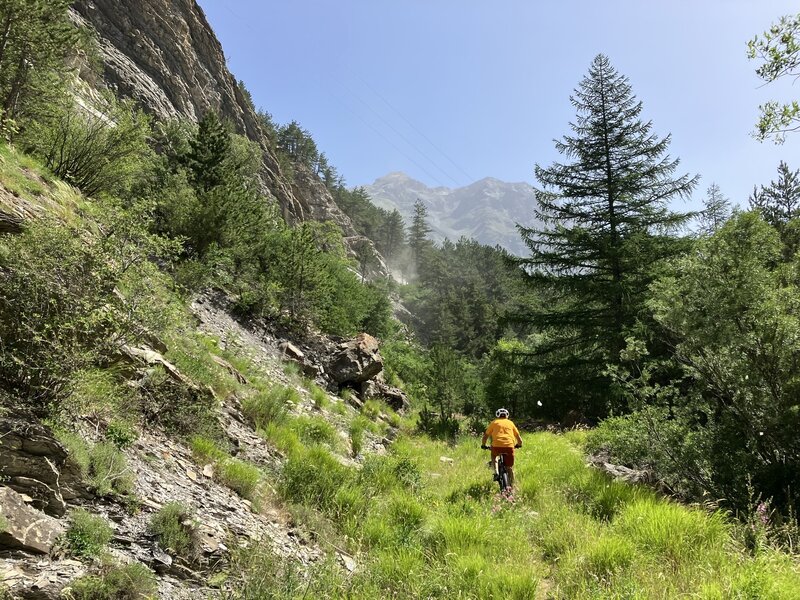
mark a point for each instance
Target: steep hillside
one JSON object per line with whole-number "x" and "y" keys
{"x": 165, "y": 55}
{"x": 487, "y": 210}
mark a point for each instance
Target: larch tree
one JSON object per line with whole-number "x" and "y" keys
{"x": 606, "y": 222}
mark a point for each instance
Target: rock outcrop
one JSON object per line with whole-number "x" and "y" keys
{"x": 34, "y": 463}
{"x": 24, "y": 527}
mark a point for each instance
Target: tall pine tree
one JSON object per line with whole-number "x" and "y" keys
{"x": 606, "y": 222}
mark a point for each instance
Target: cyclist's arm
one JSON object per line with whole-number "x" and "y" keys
{"x": 517, "y": 435}
{"x": 486, "y": 435}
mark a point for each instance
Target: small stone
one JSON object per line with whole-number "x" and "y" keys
{"x": 348, "y": 562}
{"x": 208, "y": 471}
{"x": 191, "y": 474}
{"x": 446, "y": 460}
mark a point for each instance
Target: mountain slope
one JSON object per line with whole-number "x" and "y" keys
{"x": 487, "y": 210}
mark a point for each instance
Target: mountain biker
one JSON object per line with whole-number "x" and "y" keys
{"x": 505, "y": 437}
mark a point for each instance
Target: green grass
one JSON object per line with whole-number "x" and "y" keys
{"x": 318, "y": 395}
{"x": 241, "y": 476}
{"x": 426, "y": 528}
{"x": 270, "y": 405}
{"x": 108, "y": 470}
{"x": 87, "y": 535}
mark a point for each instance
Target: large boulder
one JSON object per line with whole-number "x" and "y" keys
{"x": 34, "y": 463}
{"x": 22, "y": 527}
{"x": 355, "y": 361}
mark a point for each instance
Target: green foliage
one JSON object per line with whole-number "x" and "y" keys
{"x": 127, "y": 582}
{"x": 121, "y": 434}
{"x": 3, "y": 524}
{"x": 313, "y": 477}
{"x": 174, "y": 527}
{"x": 87, "y": 534}
{"x": 318, "y": 395}
{"x": 316, "y": 430}
{"x": 356, "y": 431}
{"x": 59, "y": 307}
{"x": 778, "y": 51}
{"x": 606, "y": 225}
{"x": 730, "y": 311}
{"x": 101, "y": 151}
{"x": 207, "y": 450}
{"x": 38, "y": 37}
{"x": 779, "y": 205}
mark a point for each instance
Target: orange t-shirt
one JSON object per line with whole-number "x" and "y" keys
{"x": 503, "y": 432}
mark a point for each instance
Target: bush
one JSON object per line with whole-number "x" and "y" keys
{"x": 97, "y": 153}
{"x": 108, "y": 470}
{"x": 357, "y": 427}
{"x": 87, "y": 534}
{"x": 206, "y": 450}
{"x": 121, "y": 433}
{"x": 318, "y": 395}
{"x": 128, "y": 582}
{"x": 174, "y": 527}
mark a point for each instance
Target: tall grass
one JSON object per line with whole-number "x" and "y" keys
{"x": 427, "y": 528}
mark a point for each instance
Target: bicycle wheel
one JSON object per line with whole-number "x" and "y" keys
{"x": 502, "y": 474}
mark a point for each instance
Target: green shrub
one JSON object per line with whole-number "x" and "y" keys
{"x": 78, "y": 450}
{"x": 270, "y": 406}
{"x": 174, "y": 527}
{"x": 242, "y": 477}
{"x": 121, "y": 433}
{"x": 371, "y": 409}
{"x": 97, "y": 153}
{"x": 127, "y": 582}
{"x": 284, "y": 438}
{"x": 108, "y": 470}
{"x": 3, "y": 524}
{"x": 176, "y": 406}
{"x": 405, "y": 513}
{"x": 87, "y": 534}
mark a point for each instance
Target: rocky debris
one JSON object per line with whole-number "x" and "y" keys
{"x": 145, "y": 357}
{"x": 446, "y": 460}
{"x": 291, "y": 352}
{"x": 394, "y": 397}
{"x": 38, "y": 579}
{"x": 356, "y": 361}
{"x": 25, "y": 527}
{"x": 34, "y": 463}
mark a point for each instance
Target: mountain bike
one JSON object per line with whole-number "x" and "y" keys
{"x": 500, "y": 472}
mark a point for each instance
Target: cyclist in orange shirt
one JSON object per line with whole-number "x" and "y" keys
{"x": 505, "y": 437}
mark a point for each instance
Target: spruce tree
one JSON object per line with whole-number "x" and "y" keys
{"x": 418, "y": 240}
{"x": 605, "y": 223}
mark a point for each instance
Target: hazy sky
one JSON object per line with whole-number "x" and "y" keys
{"x": 451, "y": 91}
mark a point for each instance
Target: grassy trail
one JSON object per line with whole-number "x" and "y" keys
{"x": 426, "y": 527}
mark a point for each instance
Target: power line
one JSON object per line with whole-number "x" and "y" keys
{"x": 387, "y": 140}
{"x": 402, "y": 136}
{"x": 469, "y": 177}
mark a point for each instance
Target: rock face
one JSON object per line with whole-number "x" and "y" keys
{"x": 26, "y": 528}
{"x": 34, "y": 463}
{"x": 164, "y": 54}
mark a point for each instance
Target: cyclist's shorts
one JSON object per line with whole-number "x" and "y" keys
{"x": 508, "y": 455}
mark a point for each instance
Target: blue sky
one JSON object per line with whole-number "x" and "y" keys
{"x": 451, "y": 91}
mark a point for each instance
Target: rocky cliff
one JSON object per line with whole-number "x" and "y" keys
{"x": 164, "y": 54}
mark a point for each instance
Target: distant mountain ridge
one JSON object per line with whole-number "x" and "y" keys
{"x": 487, "y": 210}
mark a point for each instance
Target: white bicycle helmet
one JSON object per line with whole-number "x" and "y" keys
{"x": 501, "y": 412}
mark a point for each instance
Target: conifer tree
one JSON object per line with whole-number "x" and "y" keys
{"x": 606, "y": 222}
{"x": 716, "y": 210}
{"x": 418, "y": 232}
{"x": 779, "y": 205}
